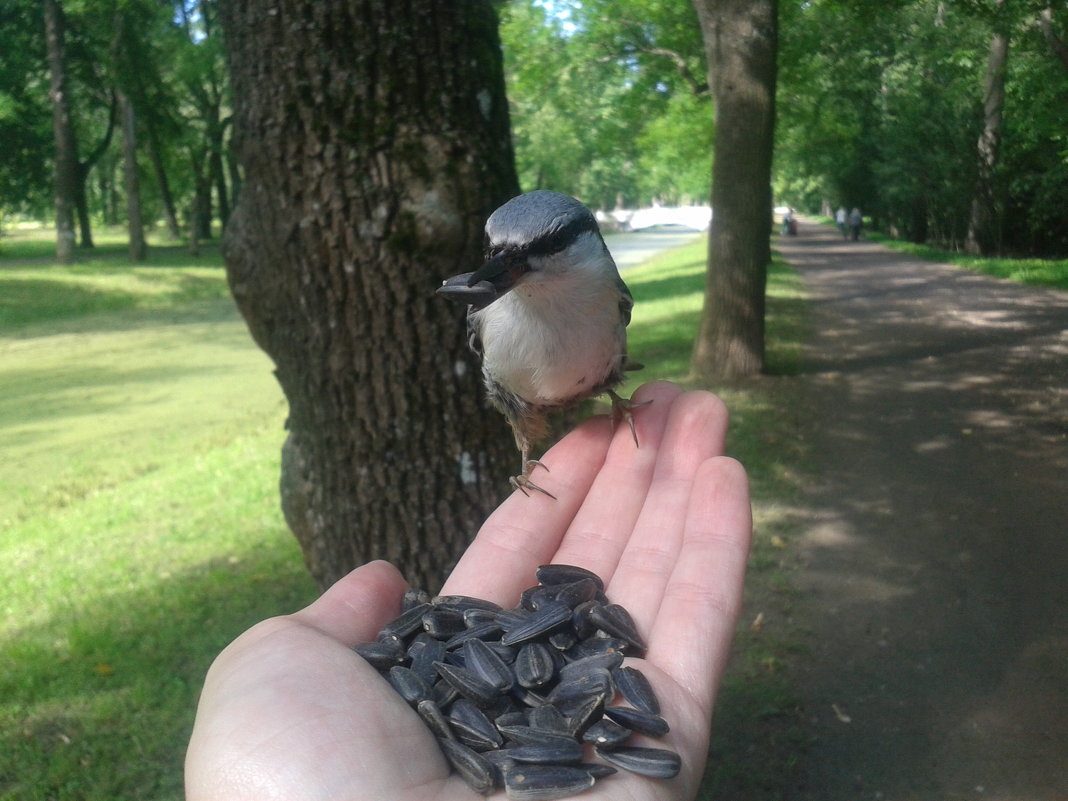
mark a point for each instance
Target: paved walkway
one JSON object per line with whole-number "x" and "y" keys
{"x": 935, "y": 571}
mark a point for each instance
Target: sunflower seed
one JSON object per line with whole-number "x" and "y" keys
{"x": 473, "y": 769}
{"x": 512, "y": 695}
{"x": 572, "y": 693}
{"x": 616, "y": 621}
{"x": 511, "y": 719}
{"x": 423, "y": 653}
{"x": 576, "y": 592}
{"x": 606, "y": 732}
{"x": 468, "y": 684}
{"x": 381, "y": 656}
{"x": 596, "y": 645}
{"x": 607, "y": 661}
{"x": 545, "y": 782}
{"x": 468, "y": 714}
{"x": 528, "y": 735}
{"x": 407, "y": 623}
{"x": 597, "y": 770}
{"x": 462, "y": 603}
{"x": 474, "y": 617}
{"x": 636, "y": 720}
{"x": 480, "y": 659}
{"x": 435, "y": 719}
{"x": 563, "y": 639}
{"x": 480, "y": 631}
{"x": 534, "y": 665}
{"x": 584, "y": 716}
{"x": 565, "y": 574}
{"x": 562, "y": 752}
{"x": 474, "y": 739}
{"x": 636, "y": 689}
{"x": 548, "y": 719}
{"x": 657, "y": 763}
{"x": 443, "y": 623}
{"x": 546, "y": 620}
{"x": 409, "y": 685}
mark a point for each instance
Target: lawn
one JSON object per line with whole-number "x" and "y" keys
{"x": 140, "y": 531}
{"x": 1038, "y": 272}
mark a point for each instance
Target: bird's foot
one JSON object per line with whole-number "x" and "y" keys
{"x": 523, "y": 483}
{"x": 623, "y": 409}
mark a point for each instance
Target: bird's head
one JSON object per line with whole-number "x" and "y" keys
{"x": 534, "y": 238}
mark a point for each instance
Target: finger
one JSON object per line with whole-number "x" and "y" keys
{"x": 525, "y": 532}
{"x": 356, "y": 607}
{"x": 696, "y": 431}
{"x": 691, "y": 636}
{"x": 601, "y": 528}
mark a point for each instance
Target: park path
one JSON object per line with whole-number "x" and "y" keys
{"x": 934, "y": 569}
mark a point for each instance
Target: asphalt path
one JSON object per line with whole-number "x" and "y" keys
{"x": 631, "y": 249}
{"x": 934, "y": 574}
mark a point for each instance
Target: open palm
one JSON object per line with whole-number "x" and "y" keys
{"x": 290, "y": 712}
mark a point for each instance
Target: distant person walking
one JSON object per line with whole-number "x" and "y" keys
{"x": 855, "y": 221}
{"x": 789, "y": 222}
{"x": 840, "y": 218}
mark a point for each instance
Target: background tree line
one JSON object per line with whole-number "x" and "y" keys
{"x": 879, "y": 105}
{"x": 118, "y": 109}
{"x": 352, "y": 148}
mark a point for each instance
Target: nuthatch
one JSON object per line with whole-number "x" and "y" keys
{"x": 547, "y": 313}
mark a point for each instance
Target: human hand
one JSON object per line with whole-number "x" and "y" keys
{"x": 289, "y": 711}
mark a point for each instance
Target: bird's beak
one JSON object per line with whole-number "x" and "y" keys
{"x": 479, "y": 294}
{"x": 486, "y": 284}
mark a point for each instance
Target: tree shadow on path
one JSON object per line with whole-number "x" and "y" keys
{"x": 935, "y": 572}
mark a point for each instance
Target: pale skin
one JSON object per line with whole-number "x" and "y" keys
{"x": 288, "y": 710}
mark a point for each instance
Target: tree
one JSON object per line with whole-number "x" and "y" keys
{"x": 374, "y": 140}
{"x": 66, "y": 156}
{"x": 26, "y": 168}
{"x": 138, "y": 249}
{"x": 982, "y": 235}
{"x": 741, "y": 38}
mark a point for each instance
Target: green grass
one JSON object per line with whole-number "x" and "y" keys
{"x": 140, "y": 532}
{"x": 758, "y": 736}
{"x": 1039, "y": 272}
{"x": 139, "y": 525}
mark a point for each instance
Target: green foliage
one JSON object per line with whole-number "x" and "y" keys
{"x": 880, "y": 106}
{"x": 603, "y": 100}
{"x": 25, "y": 115}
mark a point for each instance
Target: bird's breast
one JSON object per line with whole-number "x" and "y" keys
{"x": 553, "y": 350}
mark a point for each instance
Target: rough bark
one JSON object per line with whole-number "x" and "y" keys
{"x": 66, "y": 156}
{"x": 982, "y": 238}
{"x": 741, "y": 41}
{"x": 374, "y": 139}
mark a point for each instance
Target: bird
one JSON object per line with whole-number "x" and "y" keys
{"x": 547, "y": 314}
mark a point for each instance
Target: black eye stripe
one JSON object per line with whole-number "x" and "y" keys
{"x": 557, "y": 240}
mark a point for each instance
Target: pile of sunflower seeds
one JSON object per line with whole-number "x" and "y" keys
{"x": 513, "y": 696}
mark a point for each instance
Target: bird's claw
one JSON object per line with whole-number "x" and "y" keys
{"x": 523, "y": 483}
{"x": 623, "y": 409}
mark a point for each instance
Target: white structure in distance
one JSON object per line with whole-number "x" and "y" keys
{"x": 696, "y": 217}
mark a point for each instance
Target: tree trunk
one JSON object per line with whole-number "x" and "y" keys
{"x": 138, "y": 250}
{"x": 982, "y": 235}
{"x": 374, "y": 140}
{"x": 741, "y": 40}
{"x": 155, "y": 153}
{"x": 66, "y": 166}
